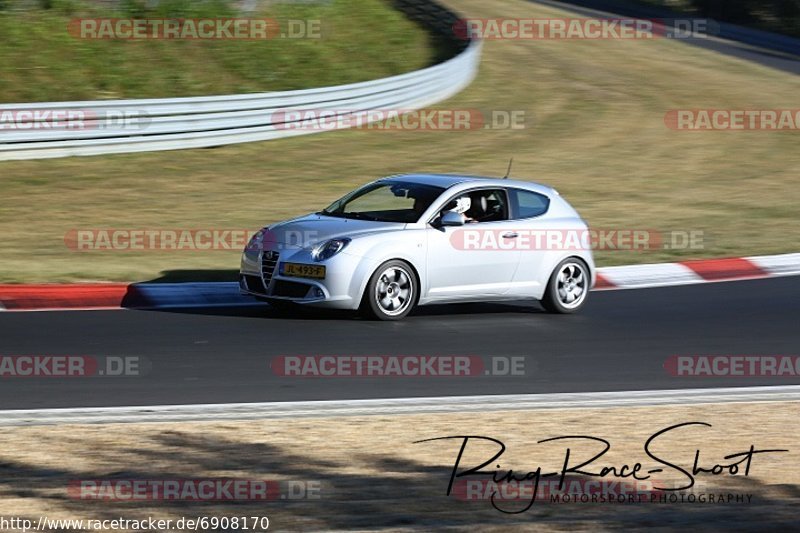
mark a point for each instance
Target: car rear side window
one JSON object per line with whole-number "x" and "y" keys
{"x": 528, "y": 204}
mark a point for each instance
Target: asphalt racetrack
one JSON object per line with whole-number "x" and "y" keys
{"x": 620, "y": 341}
{"x": 770, "y": 58}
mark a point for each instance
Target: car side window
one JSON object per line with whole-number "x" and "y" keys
{"x": 484, "y": 205}
{"x": 528, "y": 204}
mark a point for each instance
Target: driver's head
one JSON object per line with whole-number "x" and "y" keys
{"x": 462, "y": 205}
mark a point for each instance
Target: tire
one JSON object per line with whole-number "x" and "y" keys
{"x": 392, "y": 291}
{"x": 563, "y": 294}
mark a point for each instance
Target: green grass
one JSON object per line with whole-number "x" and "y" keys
{"x": 360, "y": 40}
{"x": 595, "y": 131}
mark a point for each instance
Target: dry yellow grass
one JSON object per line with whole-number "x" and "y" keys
{"x": 595, "y": 130}
{"x": 371, "y": 474}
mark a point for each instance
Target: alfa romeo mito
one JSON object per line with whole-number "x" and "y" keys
{"x": 418, "y": 239}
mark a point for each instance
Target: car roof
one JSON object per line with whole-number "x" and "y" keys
{"x": 450, "y": 180}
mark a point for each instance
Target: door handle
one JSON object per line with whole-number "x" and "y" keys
{"x": 510, "y": 235}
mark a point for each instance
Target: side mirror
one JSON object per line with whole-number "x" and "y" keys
{"x": 451, "y": 218}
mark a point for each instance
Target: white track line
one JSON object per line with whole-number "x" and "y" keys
{"x": 777, "y": 265}
{"x": 456, "y": 404}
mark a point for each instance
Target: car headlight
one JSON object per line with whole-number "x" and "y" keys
{"x": 254, "y": 244}
{"x": 329, "y": 248}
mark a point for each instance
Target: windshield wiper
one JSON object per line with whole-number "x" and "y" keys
{"x": 352, "y": 214}
{"x": 359, "y": 216}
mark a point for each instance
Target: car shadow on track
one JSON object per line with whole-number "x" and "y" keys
{"x": 306, "y": 313}
{"x": 197, "y": 276}
{"x": 298, "y": 312}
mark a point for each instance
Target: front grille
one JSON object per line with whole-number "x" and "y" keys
{"x": 269, "y": 259}
{"x": 254, "y": 284}
{"x": 290, "y": 289}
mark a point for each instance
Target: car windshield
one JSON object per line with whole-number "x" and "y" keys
{"x": 385, "y": 202}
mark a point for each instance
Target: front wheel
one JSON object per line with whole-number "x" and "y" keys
{"x": 568, "y": 287}
{"x": 391, "y": 292}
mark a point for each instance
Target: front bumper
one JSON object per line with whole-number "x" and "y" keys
{"x": 260, "y": 277}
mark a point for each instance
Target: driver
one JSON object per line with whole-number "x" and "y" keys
{"x": 463, "y": 204}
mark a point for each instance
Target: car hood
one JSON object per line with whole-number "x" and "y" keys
{"x": 312, "y": 229}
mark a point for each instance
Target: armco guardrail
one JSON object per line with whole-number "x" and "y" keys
{"x": 43, "y": 130}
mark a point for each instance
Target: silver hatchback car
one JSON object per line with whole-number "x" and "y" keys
{"x": 419, "y": 239}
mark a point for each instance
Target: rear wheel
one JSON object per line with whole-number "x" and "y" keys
{"x": 391, "y": 292}
{"x": 568, "y": 287}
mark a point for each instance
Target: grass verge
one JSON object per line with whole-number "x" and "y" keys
{"x": 342, "y": 42}
{"x": 594, "y": 129}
